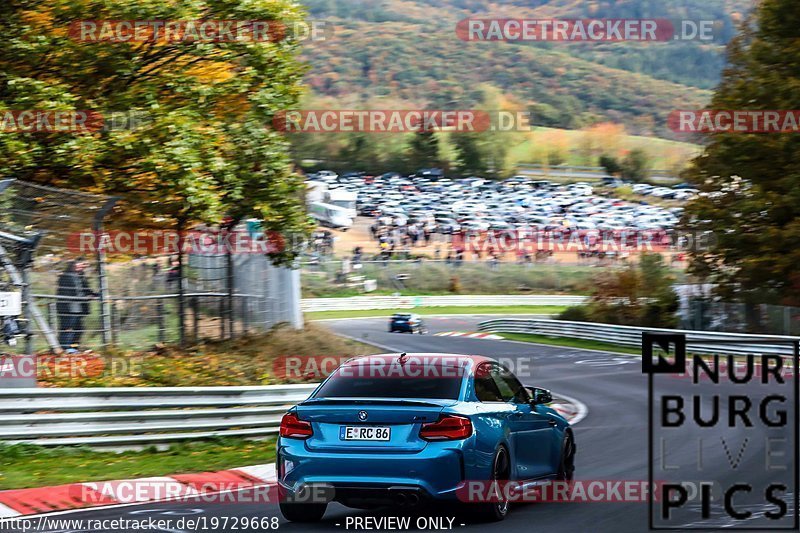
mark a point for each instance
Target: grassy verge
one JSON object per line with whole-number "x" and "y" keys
{"x": 571, "y": 343}
{"x": 477, "y": 310}
{"x": 26, "y": 466}
{"x": 467, "y": 279}
{"x": 254, "y": 360}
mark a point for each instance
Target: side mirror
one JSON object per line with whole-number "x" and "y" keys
{"x": 540, "y": 396}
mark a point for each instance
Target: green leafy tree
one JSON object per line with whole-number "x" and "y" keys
{"x": 424, "y": 149}
{"x": 637, "y": 295}
{"x": 751, "y": 182}
{"x": 469, "y": 159}
{"x": 610, "y": 164}
{"x": 203, "y": 152}
{"x": 635, "y": 165}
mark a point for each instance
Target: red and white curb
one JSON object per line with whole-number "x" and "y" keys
{"x": 469, "y": 335}
{"x": 75, "y": 496}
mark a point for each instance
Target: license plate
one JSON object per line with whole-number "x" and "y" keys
{"x": 365, "y": 433}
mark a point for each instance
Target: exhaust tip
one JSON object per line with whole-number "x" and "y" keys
{"x": 401, "y": 499}
{"x": 413, "y": 499}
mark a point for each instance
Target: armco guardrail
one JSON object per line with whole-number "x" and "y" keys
{"x": 697, "y": 341}
{"x": 409, "y": 302}
{"x": 121, "y": 417}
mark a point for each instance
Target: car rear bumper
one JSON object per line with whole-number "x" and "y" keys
{"x": 361, "y": 495}
{"x": 433, "y": 473}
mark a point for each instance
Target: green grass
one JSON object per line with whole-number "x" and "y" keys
{"x": 571, "y": 145}
{"x": 468, "y": 278}
{"x": 477, "y": 310}
{"x": 27, "y": 466}
{"x": 571, "y": 343}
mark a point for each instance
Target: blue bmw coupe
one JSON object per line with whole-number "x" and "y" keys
{"x": 414, "y": 428}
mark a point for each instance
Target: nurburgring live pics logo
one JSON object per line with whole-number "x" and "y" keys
{"x": 735, "y": 423}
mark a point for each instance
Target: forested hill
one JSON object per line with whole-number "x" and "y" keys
{"x": 408, "y": 50}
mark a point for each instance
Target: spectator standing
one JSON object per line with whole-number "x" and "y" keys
{"x": 72, "y": 307}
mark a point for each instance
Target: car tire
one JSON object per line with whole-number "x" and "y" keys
{"x": 501, "y": 469}
{"x": 566, "y": 467}
{"x": 303, "y": 512}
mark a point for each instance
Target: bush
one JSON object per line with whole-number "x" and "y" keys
{"x": 576, "y": 313}
{"x": 639, "y": 295}
{"x": 455, "y": 285}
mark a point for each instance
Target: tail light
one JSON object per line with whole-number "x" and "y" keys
{"x": 294, "y": 428}
{"x": 448, "y": 427}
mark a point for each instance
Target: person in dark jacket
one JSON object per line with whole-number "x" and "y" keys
{"x": 73, "y": 304}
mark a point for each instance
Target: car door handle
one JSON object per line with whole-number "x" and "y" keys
{"x": 551, "y": 422}
{"x": 516, "y": 414}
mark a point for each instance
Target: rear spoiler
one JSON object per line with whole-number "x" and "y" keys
{"x": 382, "y": 401}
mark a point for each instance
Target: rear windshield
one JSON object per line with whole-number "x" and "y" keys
{"x": 444, "y": 385}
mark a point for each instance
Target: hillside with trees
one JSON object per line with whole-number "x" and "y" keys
{"x": 409, "y": 50}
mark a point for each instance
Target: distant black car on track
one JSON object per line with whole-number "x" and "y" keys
{"x": 406, "y": 323}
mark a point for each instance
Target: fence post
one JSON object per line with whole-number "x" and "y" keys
{"x": 246, "y": 314}
{"x": 181, "y": 225}
{"x": 51, "y": 315}
{"x": 100, "y": 259}
{"x": 160, "y": 317}
{"x": 221, "y": 313}
{"x": 114, "y": 322}
{"x": 195, "y": 318}
{"x": 229, "y": 281}
{"x": 26, "y": 299}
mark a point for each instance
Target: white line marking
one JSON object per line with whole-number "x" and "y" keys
{"x": 581, "y": 410}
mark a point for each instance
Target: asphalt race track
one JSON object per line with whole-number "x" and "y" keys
{"x": 612, "y": 440}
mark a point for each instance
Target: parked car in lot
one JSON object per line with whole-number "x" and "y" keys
{"x": 411, "y": 428}
{"x": 406, "y": 323}
{"x": 446, "y": 206}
